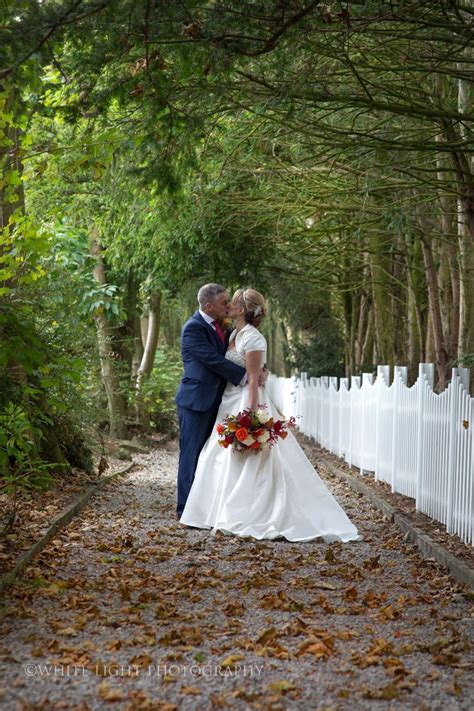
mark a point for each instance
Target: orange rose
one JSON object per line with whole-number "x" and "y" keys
{"x": 242, "y": 434}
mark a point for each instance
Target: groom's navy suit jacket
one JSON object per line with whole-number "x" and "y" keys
{"x": 206, "y": 371}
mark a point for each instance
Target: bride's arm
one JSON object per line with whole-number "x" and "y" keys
{"x": 253, "y": 363}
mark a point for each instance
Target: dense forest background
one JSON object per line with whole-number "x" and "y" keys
{"x": 320, "y": 152}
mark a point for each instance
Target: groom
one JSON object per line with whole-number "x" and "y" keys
{"x": 206, "y": 371}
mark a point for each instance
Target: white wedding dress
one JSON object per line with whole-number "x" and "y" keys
{"x": 269, "y": 494}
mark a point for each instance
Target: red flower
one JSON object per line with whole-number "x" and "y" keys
{"x": 220, "y": 428}
{"x": 277, "y": 426}
{"x": 242, "y": 434}
{"x": 254, "y": 445}
{"x": 245, "y": 421}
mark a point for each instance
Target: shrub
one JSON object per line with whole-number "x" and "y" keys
{"x": 160, "y": 389}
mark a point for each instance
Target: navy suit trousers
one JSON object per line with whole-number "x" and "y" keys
{"x": 194, "y": 429}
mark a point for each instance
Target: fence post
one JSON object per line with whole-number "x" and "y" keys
{"x": 355, "y": 381}
{"x": 324, "y": 380}
{"x": 464, "y": 375}
{"x": 425, "y": 378}
{"x": 367, "y": 379}
{"x": 300, "y": 399}
{"x": 307, "y": 408}
{"x": 333, "y": 402}
{"x": 471, "y": 425}
{"x": 400, "y": 375}
{"x": 304, "y": 396}
{"x": 297, "y": 394}
{"x": 310, "y": 405}
{"x": 459, "y": 379}
{"x": 343, "y": 383}
{"x": 315, "y": 407}
{"x": 383, "y": 377}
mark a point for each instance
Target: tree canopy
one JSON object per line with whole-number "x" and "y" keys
{"x": 321, "y": 152}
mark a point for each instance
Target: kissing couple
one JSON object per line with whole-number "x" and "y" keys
{"x": 272, "y": 492}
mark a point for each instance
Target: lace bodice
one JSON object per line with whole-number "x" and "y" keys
{"x": 236, "y": 357}
{"x": 247, "y": 339}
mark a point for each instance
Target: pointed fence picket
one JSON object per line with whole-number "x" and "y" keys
{"x": 418, "y": 441}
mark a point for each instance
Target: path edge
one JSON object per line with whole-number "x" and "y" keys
{"x": 461, "y": 572}
{"x": 59, "y": 522}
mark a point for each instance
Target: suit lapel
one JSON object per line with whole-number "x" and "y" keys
{"x": 217, "y": 340}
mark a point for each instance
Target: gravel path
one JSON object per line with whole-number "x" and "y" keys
{"x": 127, "y": 610}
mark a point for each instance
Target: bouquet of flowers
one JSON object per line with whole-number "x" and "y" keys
{"x": 252, "y": 430}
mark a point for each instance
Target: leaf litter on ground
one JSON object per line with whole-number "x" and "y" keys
{"x": 156, "y": 616}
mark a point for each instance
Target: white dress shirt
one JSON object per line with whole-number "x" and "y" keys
{"x": 208, "y": 319}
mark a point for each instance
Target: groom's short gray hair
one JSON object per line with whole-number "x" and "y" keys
{"x": 208, "y": 293}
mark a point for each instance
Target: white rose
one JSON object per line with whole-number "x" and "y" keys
{"x": 264, "y": 437}
{"x": 262, "y": 416}
{"x": 248, "y": 441}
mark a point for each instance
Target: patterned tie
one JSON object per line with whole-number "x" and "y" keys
{"x": 219, "y": 331}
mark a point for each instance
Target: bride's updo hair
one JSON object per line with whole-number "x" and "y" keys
{"x": 253, "y": 303}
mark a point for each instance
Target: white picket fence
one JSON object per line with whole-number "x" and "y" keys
{"x": 418, "y": 441}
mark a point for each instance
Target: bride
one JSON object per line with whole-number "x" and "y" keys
{"x": 271, "y": 493}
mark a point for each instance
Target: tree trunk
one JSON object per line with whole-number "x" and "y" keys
{"x": 413, "y": 337}
{"x": 143, "y": 330}
{"x": 346, "y": 307}
{"x": 128, "y": 344}
{"x": 453, "y": 330}
{"x": 354, "y": 316}
{"x": 441, "y": 355}
{"x": 360, "y": 344}
{"x": 430, "y": 355}
{"x": 384, "y": 326}
{"x": 125, "y": 334}
{"x": 287, "y": 342}
{"x": 116, "y": 402}
{"x": 464, "y": 165}
{"x": 466, "y": 242}
{"x": 368, "y": 343}
{"x": 276, "y": 361}
{"x": 415, "y": 295}
{"x": 398, "y": 302}
{"x": 449, "y": 281}
{"x": 137, "y": 349}
{"x": 146, "y": 365}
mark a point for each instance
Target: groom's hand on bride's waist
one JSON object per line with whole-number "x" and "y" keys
{"x": 262, "y": 378}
